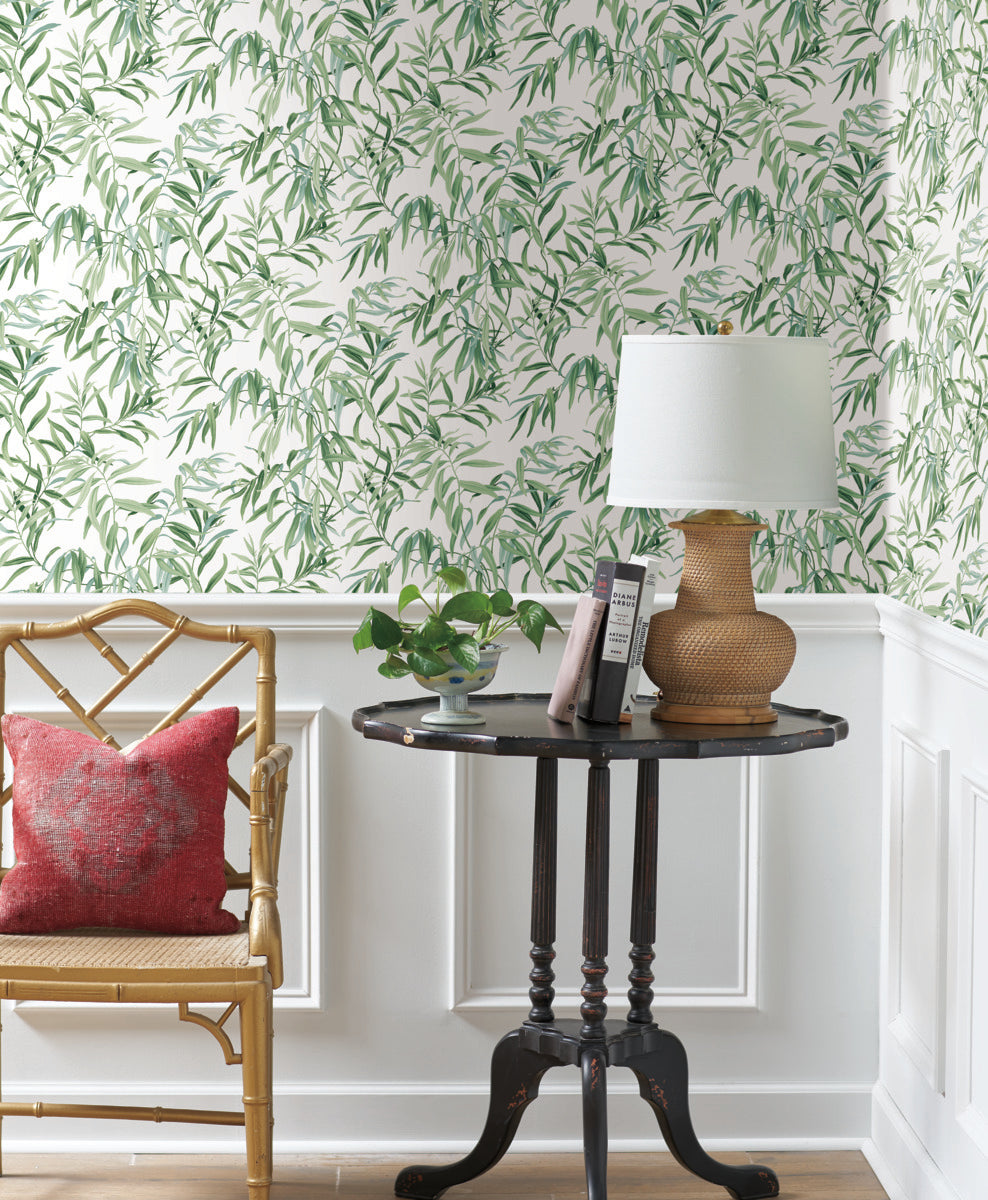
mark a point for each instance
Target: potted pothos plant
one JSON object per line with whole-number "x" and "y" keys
{"x": 438, "y": 651}
{"x": 417, "y": 646}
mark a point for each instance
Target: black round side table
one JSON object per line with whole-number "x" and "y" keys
{"x": 518, "y": 725}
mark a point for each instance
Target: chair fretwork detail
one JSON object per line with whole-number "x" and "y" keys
{"x": 200, "y": 692}
{"x": 129, "y": 674}
{"x": 239, "y": 791}
{"x": 106, "y": 651}
{"x": 63, "y": 694}
{"x": 239, "y": 970}
{"x": 233, "y": 1059}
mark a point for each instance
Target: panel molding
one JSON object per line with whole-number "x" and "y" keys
{"x": 956, "y": 650}
{"x": 321, "y": 1106}
{"x": 302, "y": 613}
{"x": 307, "y": 776}
{"x": 971, "y": 882}
{"x": 929, "y": 1060}
{"x": 464, "y": 997}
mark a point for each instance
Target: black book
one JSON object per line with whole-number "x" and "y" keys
{"x": 619, "y": 585}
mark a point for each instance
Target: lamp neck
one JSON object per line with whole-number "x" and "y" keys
{"x": 716, "y": 576}
{"x": 717, "y": 516}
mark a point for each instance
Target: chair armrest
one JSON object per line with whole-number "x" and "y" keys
{"x": 268, "y": 782}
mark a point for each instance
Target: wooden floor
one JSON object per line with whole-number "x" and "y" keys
{"x": 841, "y": 1175}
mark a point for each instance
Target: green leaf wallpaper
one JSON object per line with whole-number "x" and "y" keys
{"x": 322, "y": 295}
{"x": 938, "y": 361}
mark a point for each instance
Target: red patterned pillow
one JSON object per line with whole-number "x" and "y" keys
{"x": 128, "y": 840}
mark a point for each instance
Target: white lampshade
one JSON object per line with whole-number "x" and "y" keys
{"x": 723, "y": 422}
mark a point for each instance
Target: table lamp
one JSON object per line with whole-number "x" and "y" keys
{"x": 721, "y": 423}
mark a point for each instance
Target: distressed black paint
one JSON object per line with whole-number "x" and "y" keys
{"x": 518, "y": 726}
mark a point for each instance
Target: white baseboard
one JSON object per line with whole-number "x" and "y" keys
{"x": 400, "y": 1118}
{"x": 883, "y": 1172}
{"x": 898, "y": 1157}
{"x": 409, "y": 1150}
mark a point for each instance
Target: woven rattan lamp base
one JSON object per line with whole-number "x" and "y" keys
{"x": 714, "y": 714}
{"x": 714, "y": 657}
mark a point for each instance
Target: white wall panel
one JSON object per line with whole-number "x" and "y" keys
{"x": 930, "y": 1135}
{"x": 406, "y": 887}
{"x": 972, "y": 962}
{"x": 707, "y": 891}
{"x": 918, "y": 900}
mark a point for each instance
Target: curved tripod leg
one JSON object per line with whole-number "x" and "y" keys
{"x": 515, "y": 1075}
{"x": 663, "y": 1079}
{"x": 593, "y": 1065}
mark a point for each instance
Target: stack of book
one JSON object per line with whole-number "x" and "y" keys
{"x": 601, "y": 666}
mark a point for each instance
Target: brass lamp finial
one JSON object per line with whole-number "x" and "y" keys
{"x": 725, "y": 327}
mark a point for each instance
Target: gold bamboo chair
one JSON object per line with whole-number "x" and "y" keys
{"x": 239, "y": 969}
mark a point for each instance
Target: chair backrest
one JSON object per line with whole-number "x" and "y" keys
{"x": 94, "y": 712}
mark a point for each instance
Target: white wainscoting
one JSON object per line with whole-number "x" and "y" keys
{"x": 710, "y": 961}
{"x": 917, "y": 945}
{"x": 930, "y": 1133}
{"x": 406, "y": 885}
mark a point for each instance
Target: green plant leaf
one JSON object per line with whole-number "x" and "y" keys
{"x": 427, "y": 663}
{"x": 454, "y": 579}
{"x": 393, "y": 668}
{"x": 466, "y": 606}
{"x": 466, "y": 650}
{"x": 362, "y": 639}
{"x": 384, "y": 631}
{"x": 501, "y": 603}
{"x": 408, "y": 593}
{"x": 433, "y": 633}
{"x": 533, "y": 618}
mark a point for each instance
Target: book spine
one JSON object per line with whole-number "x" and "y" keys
{"x": 642, "y": 620}
{"x": 622, "y": 583}
{"x": 577, "y": 656}
{"x": 603, "y": 581}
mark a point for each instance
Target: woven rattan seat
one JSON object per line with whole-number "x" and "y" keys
{"x": 127, "y": 951}
{"x": 237, "y": 970}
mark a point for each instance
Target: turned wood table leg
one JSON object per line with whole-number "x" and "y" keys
{"x": 595, "y": 885}
{"x": 541, "y": 993}
{"x": 515, "y": 1075}
{"x": 593, "y": 1059}
{"x": 593, "y": 1069}
{"x": 643, "y": 893}
{"x": 663, "y": 1081}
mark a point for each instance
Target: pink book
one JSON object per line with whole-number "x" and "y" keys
{"x": 577, "y": 656}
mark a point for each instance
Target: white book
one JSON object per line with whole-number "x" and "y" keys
{"x": 644, "y": 615}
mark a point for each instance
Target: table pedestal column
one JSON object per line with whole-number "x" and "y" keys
{"x": 543, "y": 952}
{"x": 656, "y": 1057}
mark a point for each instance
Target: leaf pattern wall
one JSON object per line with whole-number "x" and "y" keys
{"x": 937, "y": 547}
{"x": 308, "y": 295}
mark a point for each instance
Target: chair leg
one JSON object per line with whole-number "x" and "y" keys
{"x": 255, "y": 1038}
